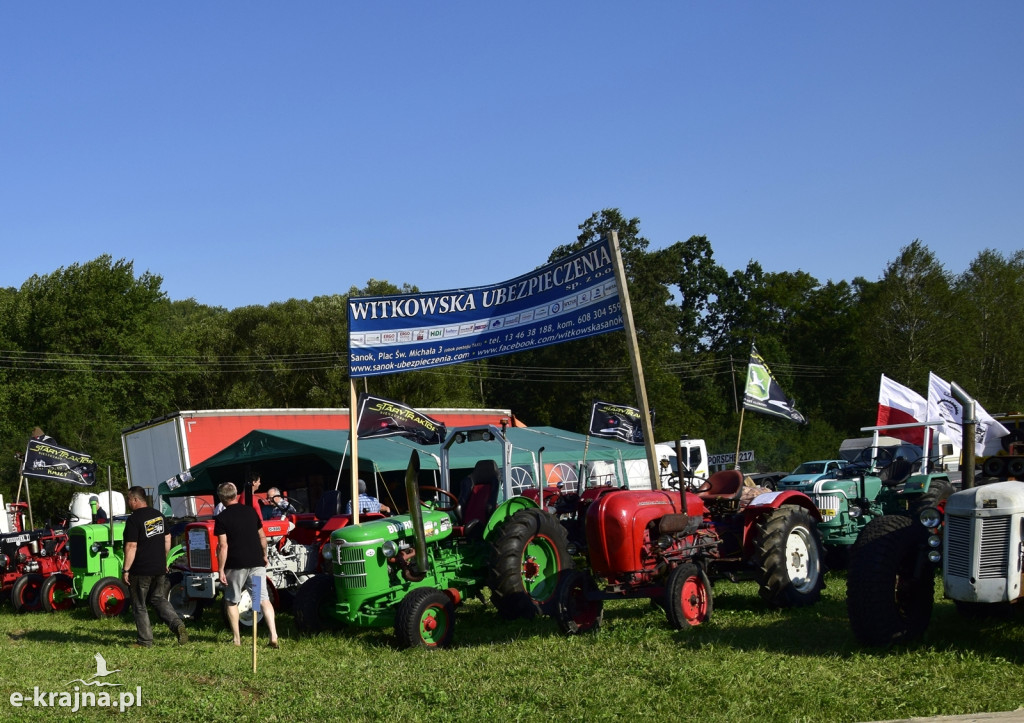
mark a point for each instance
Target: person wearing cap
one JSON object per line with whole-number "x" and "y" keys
{"x": 367, "y": 503}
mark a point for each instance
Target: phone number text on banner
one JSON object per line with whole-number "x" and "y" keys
{"x": 572, "y": 298}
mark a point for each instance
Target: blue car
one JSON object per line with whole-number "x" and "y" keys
{"x": 810, "y": 472}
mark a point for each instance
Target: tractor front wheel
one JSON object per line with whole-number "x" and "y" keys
{"x": 58, "y": 593}
{"x": 530, "y": 552}
{"x": 890, "y": 587}
{"x": 25, "y": 594}
{"x": 109, "y": 598}
{"x": 189, "y": 609}
{"x": 425, "y": 619}
{"x": 575, "y": 611}
{"x": 312, "y": 604}
{"x": 688, "y": 597}
{"x": 788, "y": 554}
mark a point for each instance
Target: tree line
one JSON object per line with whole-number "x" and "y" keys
{"x": 92, "y": 348}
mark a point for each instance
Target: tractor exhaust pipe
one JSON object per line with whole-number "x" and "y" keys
{"x": 970, "y": 423}
{"x": 412, "y": 493}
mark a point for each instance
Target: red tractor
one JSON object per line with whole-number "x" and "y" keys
{"x": 294, "y": 554}
{"x": 28, "y": 558}
{"x": 667, "y": 545}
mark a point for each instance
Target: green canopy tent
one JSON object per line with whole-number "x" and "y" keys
{"x": 306, "y": 462}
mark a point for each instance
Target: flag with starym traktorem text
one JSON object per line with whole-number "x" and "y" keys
{"x": 616, "y": 421}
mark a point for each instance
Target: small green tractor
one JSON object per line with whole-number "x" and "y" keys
{"x": 411, "y": 571}
{"x": 878, "y": 481}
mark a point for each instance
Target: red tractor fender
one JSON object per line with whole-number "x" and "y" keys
{"x": 769, "y": 502}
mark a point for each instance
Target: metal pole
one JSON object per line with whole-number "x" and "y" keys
{"x": 353, "y": 425}
{"x": 969, "y": 426}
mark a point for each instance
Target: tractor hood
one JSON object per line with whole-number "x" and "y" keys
{"x": 437, "y": 525}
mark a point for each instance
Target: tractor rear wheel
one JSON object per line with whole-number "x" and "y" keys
{"x": 530, "y": 552}
{"x": 688, "y": 597}
{"x": 313, "y": 601}
{"x": 938, "y": 491}
{"x": 109, "y": 598}
{"x": 58, "y": 593}
{"x": 25, "y": 594}
{"x": 189, "y": 609}
{"x": 425, "y": 619}
{"x": 788, "y": 556}
{"x": 574, "y": 611}
{"x": 890, "y": 588}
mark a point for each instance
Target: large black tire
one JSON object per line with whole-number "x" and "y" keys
{"x": 938, "y": 491}
{"x": 109, "y": 598}
{"x": 425, "y": 619}
{"x": 312, "y": 602}
{"x": 189, "y": 609}
{"x": 529, "y": 554}
{"x": 25, "y": 593}
{"x": 788, "y": 554}
{"x": 688, "y": 597}
{"x": 573, "y": 611}
{"x": 890, "y": 587}
{"x": 57, "y": 593}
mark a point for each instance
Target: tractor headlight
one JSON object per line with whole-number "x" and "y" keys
{"x": 94, "y": 548}
{"x": 571, "y": 547}
{"x": 934, "y": 541}
{"x": 389, "y": 548}
{"x": 930, "y": 517}
{"x": 855, "y": 511}
{"x": 664, "y": 542}
{"x": 4, "y": 562}
{"x": 327, "y": 554}
{"x": 934, "y": 556}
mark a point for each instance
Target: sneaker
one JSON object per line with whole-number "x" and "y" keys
{"x": 182, "y": 634}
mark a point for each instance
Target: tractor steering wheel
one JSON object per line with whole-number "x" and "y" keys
{"x": 446, "y": 493}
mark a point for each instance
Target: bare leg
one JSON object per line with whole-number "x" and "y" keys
{"x": 232, "y": 611}
{"x": 268, "y": 618}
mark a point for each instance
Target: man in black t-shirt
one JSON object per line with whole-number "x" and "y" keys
{"x": 147, "y": 540}
{"x": 242, "y": 555}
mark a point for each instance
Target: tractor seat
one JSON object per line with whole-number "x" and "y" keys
{"x": 725, "y": 486}
{"x": 478, "y": 498}
{"x": 897, "y": 472}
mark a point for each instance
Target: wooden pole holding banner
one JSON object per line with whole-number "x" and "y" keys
{"x": 353, "y": 438}
{"x": 634, "y": 360}
{"x": 257, "y": 593}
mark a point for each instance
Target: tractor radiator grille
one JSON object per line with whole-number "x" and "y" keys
{"x": 992, "y": 547}
{"x": 200, "y": 560}
{"x": 828, "y": 505}
{"x": 78, "y": 553}
{"x": 351, "y": 567}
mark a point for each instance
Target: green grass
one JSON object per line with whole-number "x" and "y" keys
{"x": 748, "y": 662}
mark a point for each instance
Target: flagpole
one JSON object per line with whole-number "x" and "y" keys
{"x": 634, "y": 360}
{"x": 353, "y": 438}
{"x": 738, "y": 436}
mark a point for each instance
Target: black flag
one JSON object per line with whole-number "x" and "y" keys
{"x": 763, "y": 394}
{"x": 44, "y": 460}
{"x": 383, "y": 418}
{"x": 616, "y": 422}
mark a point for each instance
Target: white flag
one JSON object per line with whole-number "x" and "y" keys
{"x": 941, "y": 402}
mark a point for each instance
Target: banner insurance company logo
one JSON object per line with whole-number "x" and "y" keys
{"x": 91, "y": 693}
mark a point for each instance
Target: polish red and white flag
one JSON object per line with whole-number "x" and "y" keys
{"x": 898, "y": 404}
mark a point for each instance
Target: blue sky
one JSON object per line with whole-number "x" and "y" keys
{"x": 252, "y": 152}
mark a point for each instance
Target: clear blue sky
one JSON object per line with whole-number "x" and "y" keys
{"x": 252, "y": 152}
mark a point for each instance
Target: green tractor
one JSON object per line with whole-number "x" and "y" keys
{"x": 885, "y": 478}
{"x": 411, "y": 571}
{"x": 97, "y": 566}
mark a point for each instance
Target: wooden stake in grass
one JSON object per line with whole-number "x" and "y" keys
{"x": 257, "y": 591}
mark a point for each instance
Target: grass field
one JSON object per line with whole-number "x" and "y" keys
{"x": 747, "y": 663}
